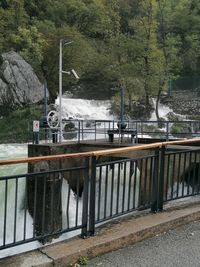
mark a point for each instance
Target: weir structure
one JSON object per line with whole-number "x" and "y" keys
{"x": 65, "y": 191}
{"x": 79, "y": 130}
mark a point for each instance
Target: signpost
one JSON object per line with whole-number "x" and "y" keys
{"x": 36, "y": 130}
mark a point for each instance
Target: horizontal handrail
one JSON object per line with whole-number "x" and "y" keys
{"x": 78, "y": 130}
{"x": 99, "y": 152}
{"x": 142, "y": 147}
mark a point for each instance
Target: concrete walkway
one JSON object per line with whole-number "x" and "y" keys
{"x": 176, "y": 248}
{"x": 112, "y": 236}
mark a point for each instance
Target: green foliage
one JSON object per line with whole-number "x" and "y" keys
{"x": 138, "y": 44}
{"x": 178, "y": 128}
{"x": 30, "y": 44}
{"x": 17, "y": 126}
{"x": 83, "y": 260}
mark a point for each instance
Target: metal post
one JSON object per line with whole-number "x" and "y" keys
{"x": 122, "y": 107}
{"x": 45, "y": 99}
{"x": 154, "y": 204}
{"x": 82, "y": 134}
{"x": 60, "y": 90}
{"x": 79, "y": 131}
{"x": 92, "y": 197}
{"x": 36, "y": 138}
{"x": 122, "y": 124}
{"x": 167, "y": 129}
{"x": 161, "y": 179}
{"x": 95, "y": 131}
{"x": 136, "y": 128}
{"x": 85, "y": 200}
{"x": 45, "y": 110}
{"x": 63, "y": 42}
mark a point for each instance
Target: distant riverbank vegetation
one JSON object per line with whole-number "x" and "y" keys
{"x": 17, "y": 126}
{"x": 136, "y": 44}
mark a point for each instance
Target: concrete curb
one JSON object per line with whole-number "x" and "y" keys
{"x": 108, "y": 238}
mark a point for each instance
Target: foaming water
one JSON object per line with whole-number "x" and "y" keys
{"x": 11, "y": 151}
{"x": 115, "y": 189}
{"x": 85, "y": 109}
{"x": 74, "y": 108}
{"x": 163, "y": 111}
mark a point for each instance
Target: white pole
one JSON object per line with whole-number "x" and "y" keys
{"x": 63, "y": 42}
{"x": 60, "y": 91}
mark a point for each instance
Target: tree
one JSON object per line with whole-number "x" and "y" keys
{"x": 29, "y": 43}
{"x": 138, "y": 44}
{"x": 150, "y": 60}
{"x": 183, "y": 20}
{"x": 12, "y": 15}
{"x": 36, "y": 8}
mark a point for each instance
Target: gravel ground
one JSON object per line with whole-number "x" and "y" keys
{"x": 178, "y": 248}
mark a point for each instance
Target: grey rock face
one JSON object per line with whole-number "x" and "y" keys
{"x": 18, "y": 83}
{"x": 185, "y": 104}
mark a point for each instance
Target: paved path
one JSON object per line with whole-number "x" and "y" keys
{"x": 177, "y": 248}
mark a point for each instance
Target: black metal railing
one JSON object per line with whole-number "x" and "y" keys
{"x": 118, "y": 186}
{"x": 65, "y": 193}
{"x": 80, "y": 130}
{"x": 182, "y": 175}
{"x": 41, "y": 205}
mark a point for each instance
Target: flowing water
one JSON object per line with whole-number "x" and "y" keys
{"x": 10, "y": 151}
{"x": 85, "y": 109}
{"x": 72, "y": 108}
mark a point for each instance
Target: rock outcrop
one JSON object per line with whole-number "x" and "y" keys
{"x": 18, "y": 83}
{"x": 187, "y": 104}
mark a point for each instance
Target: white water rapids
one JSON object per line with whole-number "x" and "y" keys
{"x": 85, "y": 109}
{"x": 10, "y": 151}
{"x": 72, "y": 108}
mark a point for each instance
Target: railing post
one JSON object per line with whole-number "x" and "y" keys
{"x": 82, "y": 135}
{"x": 154, "y": 204}
{"x": 95, "y": 130}
{"x": 79, "y": 131}
{"x": 84, "y": 230}
{"x": 161, "y": 178}
{"x": 167, "y": 131}
{"x": 158, "y": 180}
{"x": 141, "y": 129}
{"x": 92, "y": 196}
{"x": 136, "y": 128}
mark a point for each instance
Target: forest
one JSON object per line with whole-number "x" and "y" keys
{"x": 139, "y": 45}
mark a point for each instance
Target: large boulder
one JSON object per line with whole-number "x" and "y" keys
{"x": 19, "y": 85}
